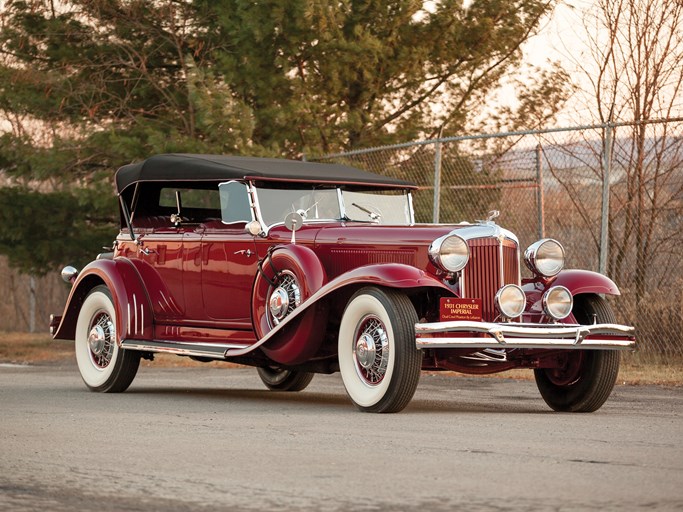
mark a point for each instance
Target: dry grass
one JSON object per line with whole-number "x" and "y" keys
{"x": 24, "y": 348}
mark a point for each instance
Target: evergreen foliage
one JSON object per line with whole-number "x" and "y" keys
{"x": 89, "y": 85}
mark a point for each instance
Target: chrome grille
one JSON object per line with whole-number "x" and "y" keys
{"x": 489, "y": 268}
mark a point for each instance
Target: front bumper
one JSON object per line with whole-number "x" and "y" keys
{"x": 468, "y": 334}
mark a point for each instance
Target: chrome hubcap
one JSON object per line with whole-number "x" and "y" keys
{"x": 365, "y": 351}
{"x": 279, "y": 303}
{"x": 96, "y": 340}
{"x": 371, "y": 351}
{"x": 101, "y": 339}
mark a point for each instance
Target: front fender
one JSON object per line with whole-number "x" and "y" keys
{"x": 131, "y": 302}
{"x": 585, "y": 281}
{"x": 392, "y": 275}
{"x": 576, "y": 281}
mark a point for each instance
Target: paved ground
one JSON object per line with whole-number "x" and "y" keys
{"x": 206, "y": 439}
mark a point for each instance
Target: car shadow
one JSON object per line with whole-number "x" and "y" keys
{"x": 244, "y": 395}
{"x": 312, "y": 399}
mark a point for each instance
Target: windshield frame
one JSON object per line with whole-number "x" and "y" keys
{"x": 254, "y": 190}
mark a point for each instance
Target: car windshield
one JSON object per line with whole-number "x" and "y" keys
{"x": 380, "y": 206}
{"x": 391, "y": 207}
{"x": 311, "y": 203}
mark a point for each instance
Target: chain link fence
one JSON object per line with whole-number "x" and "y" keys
{"x": 612, "y": 194}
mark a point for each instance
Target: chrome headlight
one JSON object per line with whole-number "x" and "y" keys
{"x": 545, "y": 257}
{"x": 449, "y": 252}
{"x": 510, "y": 301}
{"x": 558, "y": 302}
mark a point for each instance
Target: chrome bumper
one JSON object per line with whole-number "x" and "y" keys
{"x": 467, "y": 334}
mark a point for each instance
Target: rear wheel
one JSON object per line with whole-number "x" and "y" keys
{"x": 378, "y": 360}
{"x": 585, "y": 378}
{"x": 278, "y": 379}
{"x": 103, "y": 365}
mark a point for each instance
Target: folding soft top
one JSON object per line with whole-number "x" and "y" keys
{"x": 188, "y": 167}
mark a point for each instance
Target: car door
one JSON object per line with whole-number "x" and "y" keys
{"x": 229, "y": 259}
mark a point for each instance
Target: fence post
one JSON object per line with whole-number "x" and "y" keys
{"x": 604, "y": 220}
{"x": 31, "y": 304}
{"x": 437, "y": 181}
{"x": 540, "y": 191}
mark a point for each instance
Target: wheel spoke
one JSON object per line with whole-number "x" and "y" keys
{"x": 371, "y": 338}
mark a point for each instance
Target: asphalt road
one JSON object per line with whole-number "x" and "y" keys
{"x": 215, "y": 439}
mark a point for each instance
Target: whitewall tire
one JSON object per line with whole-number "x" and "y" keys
{"x": 103, "y": 365}
{"x": 378, "y": 360}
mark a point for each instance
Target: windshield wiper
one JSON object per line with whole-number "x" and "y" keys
{"x": 374, "y": 216}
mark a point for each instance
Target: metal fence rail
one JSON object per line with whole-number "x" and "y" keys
{"x": 612, "y": 194}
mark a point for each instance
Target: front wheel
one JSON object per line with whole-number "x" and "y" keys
{"x": 278, "y": 379}
{"x": 104, "y": 366}
{"x": 585, "y": 379}
{"x": 378, "y": 360}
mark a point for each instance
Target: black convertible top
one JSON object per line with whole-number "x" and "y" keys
{"x": 188, "y": 167}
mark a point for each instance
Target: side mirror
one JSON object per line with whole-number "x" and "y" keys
{"x": 293, "y": 222}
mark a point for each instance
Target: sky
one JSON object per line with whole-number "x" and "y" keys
{"x": 560, "y": 38}
{"x": 563, "y": 38}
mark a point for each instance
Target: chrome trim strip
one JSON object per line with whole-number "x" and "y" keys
{"x": 524, "y": 335}
{"x": 340, "y": 201}
{"x": 501, "y": 263}
{"x": 183, "y": 348}
{"x": 135, "y": 308}
{"x": 411, "y": 208}
{"x": 484, "y": 230}
{"x": 128, "y": 318}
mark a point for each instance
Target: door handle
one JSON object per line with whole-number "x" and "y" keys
{"x": 246, "y": 252}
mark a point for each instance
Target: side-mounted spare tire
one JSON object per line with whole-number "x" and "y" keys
{"x": 288, "y": 276}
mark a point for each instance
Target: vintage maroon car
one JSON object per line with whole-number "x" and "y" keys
{"x": 301, "y": 268}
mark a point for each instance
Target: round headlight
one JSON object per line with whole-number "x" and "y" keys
{"x": 545, "y": 257}
{"x": 449, "y": 253}
{"x": 510, "y": 301}
{"x": 558, "y": 302}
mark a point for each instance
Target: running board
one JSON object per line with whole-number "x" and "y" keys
{"x": 183, "y": 348}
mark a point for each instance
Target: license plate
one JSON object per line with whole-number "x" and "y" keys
{"x": 460, "y": 309}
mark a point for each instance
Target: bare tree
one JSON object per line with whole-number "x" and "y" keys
{"x": 635, "y": 70}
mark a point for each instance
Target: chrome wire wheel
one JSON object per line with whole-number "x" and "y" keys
{"x": 284, "y": 298}
{"x": 378, "y": 360}
{"x": 103, "y": 365}
{"x": 372, "y": 350}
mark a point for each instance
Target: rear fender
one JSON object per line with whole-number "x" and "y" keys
{"x": 131, "y": 303}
